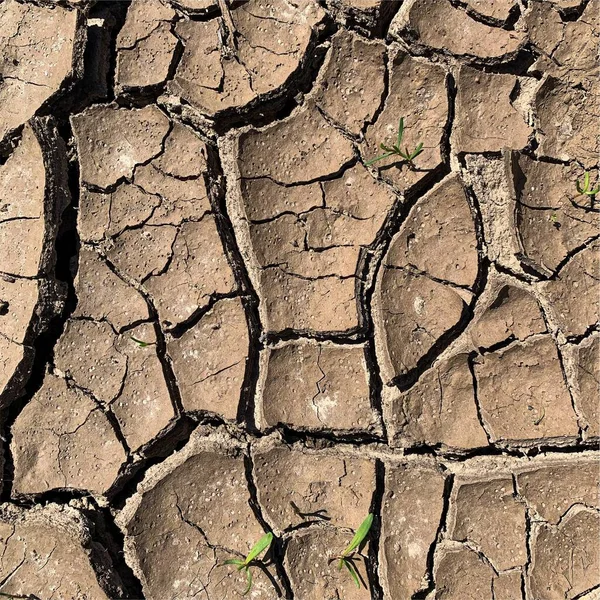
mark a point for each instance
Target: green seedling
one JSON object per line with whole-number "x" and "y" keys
{"x": 346, "y": 558}
{"x": 397, "y": 150}
{"x": 244, "y": 565}
{"x": 141, "y": 343}
{"x": 585, "y": 188}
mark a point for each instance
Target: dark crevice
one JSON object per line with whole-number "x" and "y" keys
{"x": 216, "y": 185}
{"x": 111, "y": 538}
{"x": 375, "y": 540}
{"x": 277, "y": 549}
{"x": 61, "y": 294}
{"x": 441, "y": 531}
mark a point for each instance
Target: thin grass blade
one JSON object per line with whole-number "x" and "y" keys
{"x": 352, "y": 572}
{"x": 594, "y": 192}
{"x": 386, "y": 155}
{"x": 400, "y": 131}
{"x": 140, "y": 343}
{"x": 249, "y": 581}
{"x": 233, "y": 561}
{"x": 586, "y": 181}
{"x": 417, "y": 150}
{"x": 360, "y": 535}
{"x": 260, "y": 546}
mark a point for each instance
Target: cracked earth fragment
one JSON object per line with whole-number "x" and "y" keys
{"x": 416, "y": 92}
{"x": 316, "y": 386}
{"x": 461, "y": 574}
{"x": 33, "y": 193}
{"x": 434, "y": 261}
{"x": 523, "y": 395}
{"x": 334, "y": 488}
{"x": 49, "y": 552}
{"x": 488, "y": 119}
{"x": 221, "y": 70}
{"x": 411, "y": 513}
{"x": 562, "y": 558}
{"x": 309, "y": 562}
{"x": 63, "y": 439}
{"x": 573, "y": 294}
{"x": 430, "y": 26}
{"x": 305, "y": 246}
{"x": 155, "y": 227}
{"x": 42, "y": 50}
{"x": 486, "y": 515}
{"x": 552, "y": 219}
{"x": 145, "y": 45}
{"x": 209, "y": 360}
{"x": 439, "y": 409}
{"x": 330, "y": 492}
{"x": 190, "y": 514}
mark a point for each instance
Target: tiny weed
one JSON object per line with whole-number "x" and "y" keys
{"x": 244, "y": 565}
{"x": 346, "y": 558}
{"x": 397, "y": 150}
{"x": 585, "y": 188}
{"x": 141, "y": 343}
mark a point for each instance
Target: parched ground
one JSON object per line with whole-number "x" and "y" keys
{"x": 217, "y": 319}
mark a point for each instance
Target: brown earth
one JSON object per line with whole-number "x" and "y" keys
{"x": 219, "y": 319}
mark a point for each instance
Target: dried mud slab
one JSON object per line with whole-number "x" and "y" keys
{"x": 146, "y": 46}
{"x": 33, "y": 193}
{"x": 123, "y": 372}
{"x": 50, "y": 549}
{"x": 487, "y": 515}
{"x": 552, "y": 490}
{"x": 523, "y": 395}
{"x": 190, "y": 514}
{"x": 209, "y": 360}
{"x": 417, "y": 92}
{"x": 327, "y": 487}
{"x": 552, "y": 219}
{"x": 440, "y": 409}
{"x": 312, "y": 569}
{"x": 588, "y": 385}
{"x": 563, "y": 556}
{"x": 316, "y": 386}
{"x": 573, "y": 294}
{"x": 412, "y": 509}
{"x": 430, "y": 26}
{"x": 487, "y": 117}
{"x": 251, "y": 55}
{"x": 428, "y": 273}
{"x": 42, "y": 54}
{"x": 63, "y": 439}
{"x": 461, "y": 574}
{"x": 351, "y": 83}
{"x": 156, "y": 226}
{"x": 303, "y": 248}
{"x": 513, "y": 314}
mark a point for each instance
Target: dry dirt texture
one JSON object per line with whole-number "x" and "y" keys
{"x": 218, "y": 319}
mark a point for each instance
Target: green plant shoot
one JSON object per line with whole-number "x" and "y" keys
{"x": 396, "y": 149}
{"x": 346, "y": 558}
{"x": 141, "y": 343}
{"x": 244, "y": 565}
{"x": 585, "y": 188}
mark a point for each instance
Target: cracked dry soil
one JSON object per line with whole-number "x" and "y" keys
{"x": 217, "y": 320}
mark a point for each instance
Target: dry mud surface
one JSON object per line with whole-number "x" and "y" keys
{"x": 218, "y": 320}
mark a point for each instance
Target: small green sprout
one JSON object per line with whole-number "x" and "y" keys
{"x": 585, "y": 188}
{"x": 141, "y": 343}
{"x": 244, "y": 565}
{"x": 396, "y": 149}
{"x": 346, "y": 558}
